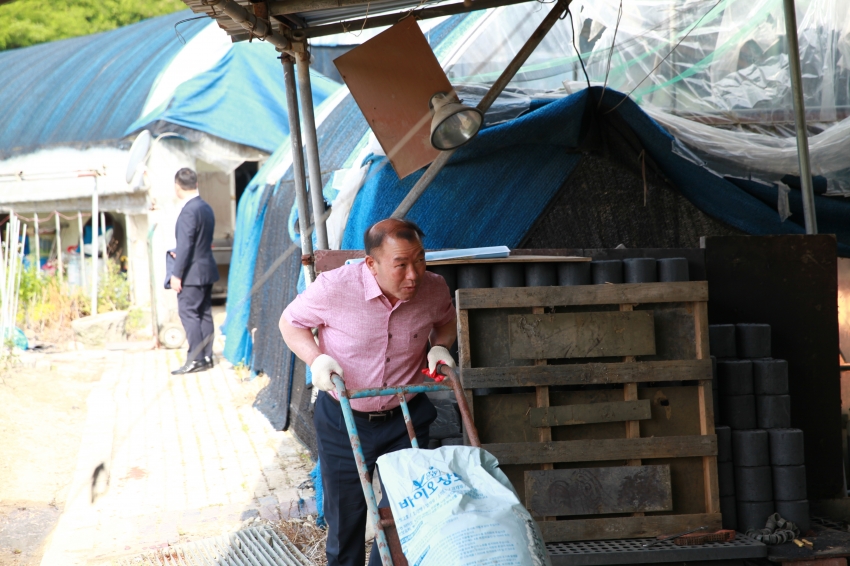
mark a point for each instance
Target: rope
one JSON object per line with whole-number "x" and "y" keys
{"x": 777, "y": 531}
{"x": 611, "y": 55}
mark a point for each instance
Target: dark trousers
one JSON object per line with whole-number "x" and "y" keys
{"x": 345, "y": 505}
{"x": 194, "y": 304}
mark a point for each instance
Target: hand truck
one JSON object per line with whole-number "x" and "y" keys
{"x": 385, "y": 533}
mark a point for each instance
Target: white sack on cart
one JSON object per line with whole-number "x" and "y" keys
{"x": 453, "y": 506}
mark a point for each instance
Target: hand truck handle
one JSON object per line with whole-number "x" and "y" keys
{"x": 465, "y": 414}
{"x": 339, "y": 384}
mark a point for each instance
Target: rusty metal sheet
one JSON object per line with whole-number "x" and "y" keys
{"x": 581, "y": 335}
{"x": 597, "y": 491}
{"x": 590, "y": 413}
{"x": 392, "y": 77}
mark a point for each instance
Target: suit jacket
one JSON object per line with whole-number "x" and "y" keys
{"x": 194, "y": 264}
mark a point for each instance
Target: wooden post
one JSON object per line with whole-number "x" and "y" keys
{"x": 465, "y": 360}
{"x": 94, "y": 230}
{"x": 82, "y": 250}
{"x": 542, "y": 398}
{"x": 706, "y": 409}
{"x": 630, "y": 393}
{"x": 37, "y": 252}
{"x": 60, "y": 266}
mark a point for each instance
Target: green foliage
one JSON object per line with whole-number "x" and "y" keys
{"x": 27, "y": 22}
{"x": 47, "y": 305}
{"x": 113, "y": 289}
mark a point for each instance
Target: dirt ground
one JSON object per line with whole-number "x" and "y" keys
{"x": 43, "y": 400}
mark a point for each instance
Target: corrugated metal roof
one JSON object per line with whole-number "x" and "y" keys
{"x": 85, "y": 90}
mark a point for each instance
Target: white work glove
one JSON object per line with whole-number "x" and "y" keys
{"x": 439, "y": 355}
{"x": 322, "y": 368}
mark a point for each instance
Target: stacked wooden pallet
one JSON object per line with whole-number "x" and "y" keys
{"x": 594, "y": 455}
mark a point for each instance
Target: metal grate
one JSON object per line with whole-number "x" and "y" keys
{"x": 829, "y": 523}
{"x": 251, "y": 547}
{"x": 631, "y": 551}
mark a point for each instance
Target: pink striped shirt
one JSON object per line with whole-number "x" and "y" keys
{"x": 376, "y": 344}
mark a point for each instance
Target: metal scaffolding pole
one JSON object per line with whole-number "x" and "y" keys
{"x": 507, "y": 75}
{"x": 298, "y": 167}
{"x": 312, "y": 144}
{"x": 800, "y": 118}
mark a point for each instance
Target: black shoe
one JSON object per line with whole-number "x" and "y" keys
{"x": 193, "y": 367}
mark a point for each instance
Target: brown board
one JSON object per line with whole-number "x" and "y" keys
{"x": 392, "y": 77}
{"x": 590, "y": 413}
{"x": 598, "y": 491}
{"x": 624, "y": 293}
{"x": 597, "y": 450}
{"x": 581, "y": 335}
{"x": 609, "y": 528}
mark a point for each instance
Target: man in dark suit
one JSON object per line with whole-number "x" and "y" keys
{"x": 194, "y": 272}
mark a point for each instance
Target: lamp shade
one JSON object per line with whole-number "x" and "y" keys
{"x": 454, "y": 123}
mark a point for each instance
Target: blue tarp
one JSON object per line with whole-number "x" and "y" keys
{"x": 85, "y": 89}
{"x": 240, "y": 99}
{"x": 493, "y": 190}
{"x": 250, "y": 219}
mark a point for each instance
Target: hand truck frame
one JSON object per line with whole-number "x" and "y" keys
{"x": 386, "y": 537}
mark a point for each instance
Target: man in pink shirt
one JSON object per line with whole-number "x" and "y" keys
{"x": 375, "y": 322}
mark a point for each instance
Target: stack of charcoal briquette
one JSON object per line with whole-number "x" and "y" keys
{"x": 760, "y": 460}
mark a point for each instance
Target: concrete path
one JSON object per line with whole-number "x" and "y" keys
{"x": 186, "y": 456}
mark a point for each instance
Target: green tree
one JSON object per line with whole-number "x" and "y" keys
{"x": 27, "y": 22}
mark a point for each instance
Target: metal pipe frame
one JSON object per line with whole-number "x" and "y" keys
{"x": 298, "y": 174}
{"x": 507, "y": 75}
{"x": 405, "y": 389}
{"x": 359, "y": 458}
{"x": 312, "y": 143}
{"x": 258, "y": 28}
{"x": 800, "y": 118}
{"x": 408, "y": 422}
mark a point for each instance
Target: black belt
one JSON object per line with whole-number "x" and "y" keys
{"x": 379, "y": 417}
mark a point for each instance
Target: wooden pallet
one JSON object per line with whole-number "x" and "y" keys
{"x": 560, "y": 344}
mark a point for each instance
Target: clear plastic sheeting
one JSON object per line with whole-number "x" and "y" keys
{"x": 730, "y": 56}
{"x": 714, "y": 72}
{"x": 762, "y": 155}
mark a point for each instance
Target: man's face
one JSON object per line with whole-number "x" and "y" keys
{"x": 398, "y": 266}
